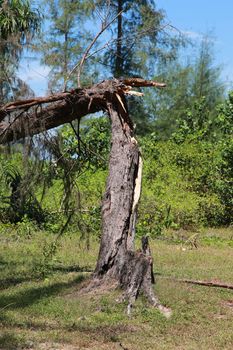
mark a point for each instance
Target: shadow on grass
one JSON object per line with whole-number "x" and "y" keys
{"x": 13, "y": 281}
{"x": 33, "y": 276}
{"x": 71, "y": 268}
{"x": 3, "y": 263}
{"x": 30, "y": 296}
{"x": 107, "y": 333}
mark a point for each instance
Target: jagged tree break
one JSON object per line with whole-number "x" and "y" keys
{"x": 117, "y": 261}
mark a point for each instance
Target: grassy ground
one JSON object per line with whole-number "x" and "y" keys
{"x": 41, "y": 306}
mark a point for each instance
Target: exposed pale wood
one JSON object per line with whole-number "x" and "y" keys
{"x": 138, "y": 82}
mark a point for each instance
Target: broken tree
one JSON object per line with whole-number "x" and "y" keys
{"x": 117, "y": 260}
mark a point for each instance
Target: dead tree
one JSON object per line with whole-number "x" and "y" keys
{"x": 117, "y": 260}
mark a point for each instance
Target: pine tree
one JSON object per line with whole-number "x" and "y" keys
{"x": 18, "y": 24}
{"x": 139, "y": 39}
{"x": 206, "y": 78}
{"x": 193, "y": 91}
{"x": 65, "y": 39}
{"x": 139, "y": 44}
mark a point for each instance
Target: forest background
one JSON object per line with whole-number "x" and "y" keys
{"x": 55, "y": 181}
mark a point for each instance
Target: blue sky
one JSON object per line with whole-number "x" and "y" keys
{"x": 196, "y": 17}
{"x": 193, "y": 17}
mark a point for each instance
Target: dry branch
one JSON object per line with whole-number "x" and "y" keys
{"x": 102, "y": 30}
{"x": 201, "y": 283}
{"x": 24, "y": 118}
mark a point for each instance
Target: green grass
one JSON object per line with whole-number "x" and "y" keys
{"x": 41, "y": 306}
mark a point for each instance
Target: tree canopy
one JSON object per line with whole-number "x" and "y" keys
{"x": 18, "y": 24}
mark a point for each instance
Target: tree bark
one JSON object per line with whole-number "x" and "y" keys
{"x": 118, "y": 198}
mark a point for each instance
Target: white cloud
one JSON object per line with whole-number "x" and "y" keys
{"x": 207, "y": 37}
{"x": 192, "y": 35}
{"x": 35, "y": 75}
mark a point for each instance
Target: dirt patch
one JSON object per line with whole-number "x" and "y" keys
{"x": 54, "y": 346}
{"x": 94, "y": 287}
{"x": 228, "y": 304}
{"x": 94, "y": 346}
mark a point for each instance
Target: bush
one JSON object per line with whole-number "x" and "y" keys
{"x": 181, "y": 185}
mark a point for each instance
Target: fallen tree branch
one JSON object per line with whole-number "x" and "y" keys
{"x": 199, "y": 282}
{"x": 20, "y": 119}
{"x": 17, "y": 105}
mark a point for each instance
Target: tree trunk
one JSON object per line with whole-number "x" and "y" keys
{"x": 118, "y": 198}
{"x": 117, "y": 260}
{"x": 119, "y": 60}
